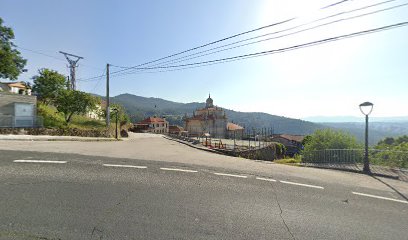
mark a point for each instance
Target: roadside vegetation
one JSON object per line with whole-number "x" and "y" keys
{"x": 64, "y": 108}
{"x": 332, "y": 146}
{"x": 54, "y": 119}
{"x": 59, "y": 106}
{"x": 391, "y": 152}
{"x": 11, "y": 62}
{"x": 289, "y": 161}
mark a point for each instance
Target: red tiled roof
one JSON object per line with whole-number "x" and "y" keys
{"x": 153, "y": 120}
{"x": 296, "y": 138}
{"x": 233, "y": 127}
{"x": 173, "y": 128}
{"x": 15, "y": 84}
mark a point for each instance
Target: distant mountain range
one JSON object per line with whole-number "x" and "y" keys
{"x": 141, "y": 107}
{"x": 332, "y": 119}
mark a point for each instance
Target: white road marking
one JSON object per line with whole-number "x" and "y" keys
{"x": 230, "y": 175}
{"x": 301, "y": 184}
{"x": 379, "y": 197}
{"x": 124, "y": 166}
{"x": 179, "y": 170}
{"x": 38, "y": 161}
{"x": 266, "y": 179}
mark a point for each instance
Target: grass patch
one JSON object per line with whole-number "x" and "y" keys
{"x": 53, "y": 119}
{"x": 288, "y": 161}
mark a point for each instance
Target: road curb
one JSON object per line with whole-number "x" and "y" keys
{"x": 193, "y": 146}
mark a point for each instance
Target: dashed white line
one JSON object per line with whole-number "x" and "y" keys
{"x": 266, "y": 179}
{"x": 230, "y": 175}
{"x": 38, "y": 161}
{"x": 179, "y": 170}
{"x": 379, "y": 197}
{"x": 301, "y": 184}
{"x": 124, "y": 166}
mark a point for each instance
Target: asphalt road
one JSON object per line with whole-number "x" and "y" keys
{"x": 93, "y": 197}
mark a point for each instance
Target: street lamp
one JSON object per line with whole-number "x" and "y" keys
{"x": 116, "y": 125}
{"x": 366, "y": 108}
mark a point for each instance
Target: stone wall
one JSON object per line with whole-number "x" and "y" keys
{"x": 268, "y": 153}
{"x": 57, "y": 132}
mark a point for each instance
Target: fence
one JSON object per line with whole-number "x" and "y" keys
{"x": 257, "y": 150}
{"x": 8, "y": 121}
{"x": 382, "y": 162}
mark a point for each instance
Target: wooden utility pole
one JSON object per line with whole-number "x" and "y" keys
{"x": 107, "y": 96}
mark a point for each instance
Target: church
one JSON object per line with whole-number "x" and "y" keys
{"x": 211, "y": 120}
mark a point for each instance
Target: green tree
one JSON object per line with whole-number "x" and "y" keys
{"x": 70, "y": 102}
{"x": 123, "y": 117}
{"x": 391, "y": 152}
{"x": 11, "y": 62}
{"x": 330, "y": 139}
{"x": 48, "y": 84}
{"x": 306, "y": 140}
{"x": 387, "y": 141}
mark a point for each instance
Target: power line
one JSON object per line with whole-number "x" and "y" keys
{"x": 291, "y": 48}
{"x": 124, "y": 69}
{"x": 276, "y": 32}
{"x": 153, "y": 67}
{"x": 208, "y": 44}
{"x": 334, "y": 4}
{"x": 184, "y": 58}
{"x": 99, "y": 80}
{"x": 41, "y": 53}
{"x": 224, "y": 39}
{"x": 50, "y": 56}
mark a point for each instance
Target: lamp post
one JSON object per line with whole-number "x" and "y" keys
{"x": 116, "y": 122}
{"x": 366, "y": 108}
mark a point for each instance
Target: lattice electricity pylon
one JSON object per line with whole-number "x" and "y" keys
{"x": 72, "y": 66}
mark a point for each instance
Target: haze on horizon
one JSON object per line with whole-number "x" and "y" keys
{"x": 325, "y": 80}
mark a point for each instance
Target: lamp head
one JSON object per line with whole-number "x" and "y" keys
{"x": 366, "y": 108}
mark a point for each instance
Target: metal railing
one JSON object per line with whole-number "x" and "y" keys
{"x": 384, "y": 162}
{"x": 9, "y": 121}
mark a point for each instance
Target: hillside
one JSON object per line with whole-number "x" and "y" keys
{"x": 345, "y": 119}
{"x": 140, "y": 107}
{"x": 377, "y": 130}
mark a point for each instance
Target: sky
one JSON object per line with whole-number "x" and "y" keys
{"x": 330, "y": 79}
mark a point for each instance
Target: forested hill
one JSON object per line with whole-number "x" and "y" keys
{"x": 140, "y": 107}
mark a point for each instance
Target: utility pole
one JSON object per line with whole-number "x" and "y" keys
{"x": 72, "y": 66}
{"x": 67, "y": 83}
{"x": 107, "y": 96}
{"x": 249, "y": 138}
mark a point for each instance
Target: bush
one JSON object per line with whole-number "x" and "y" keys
{"x": 330, "y": 139}
{"x": 53, "y": 119}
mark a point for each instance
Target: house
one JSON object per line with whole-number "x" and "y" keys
{"x": 15, "y": 87}
{"x": 175, "y": 130}
{"x": 17, "y": 110}
{"x": 97, "y": 113}
{"x": 293, "y": 143}
{"x": 234, "y": 131}
{"x": 153, "y": 125}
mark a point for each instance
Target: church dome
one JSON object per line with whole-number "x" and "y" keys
{"x": 209, "y": 102}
